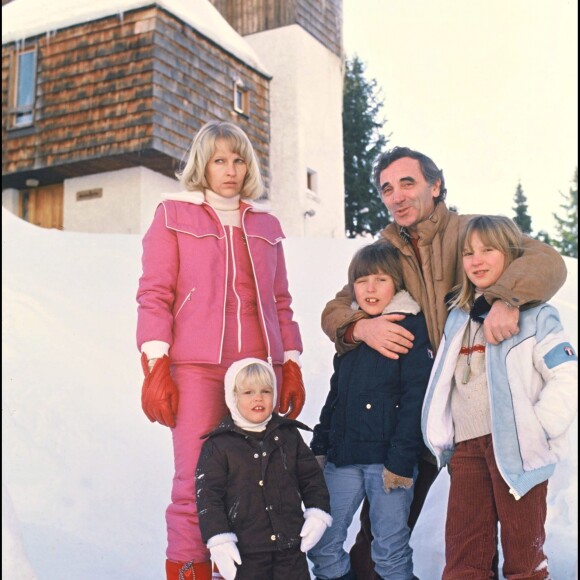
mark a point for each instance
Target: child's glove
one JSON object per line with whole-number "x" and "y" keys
{"x": 321, "y": 461}
{"x": 225, "y": 554}
{"x": 315, "y": 523}
{"x": 392, "y": 481}
{"x": 292, "y": 393}
{"x": 159, "y": 395}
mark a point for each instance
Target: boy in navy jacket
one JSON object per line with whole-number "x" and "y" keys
{"x": 369, "y": 436}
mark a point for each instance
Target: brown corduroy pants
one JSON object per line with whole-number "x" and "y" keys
{"x": 479, "y": 498}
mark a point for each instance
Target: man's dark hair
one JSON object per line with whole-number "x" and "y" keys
{"x": 430, "y": 171}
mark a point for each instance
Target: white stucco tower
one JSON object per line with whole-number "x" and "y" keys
{"x": 300, "y": 43}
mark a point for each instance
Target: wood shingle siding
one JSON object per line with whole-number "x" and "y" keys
{"x": 126, "y": 91}
{"x": 322, "y": 19}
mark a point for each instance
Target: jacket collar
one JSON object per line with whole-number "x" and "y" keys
{"x": 198, "y": 198}
{"x": 426, "y": 229}
{"x": 195, "y": 197}
{"x": 479, "y": 310}
{"x": 277, "y": 421}
{"x": 402, "y": 302}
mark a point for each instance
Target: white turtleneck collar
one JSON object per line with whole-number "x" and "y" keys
{"x": 227, "y": 208}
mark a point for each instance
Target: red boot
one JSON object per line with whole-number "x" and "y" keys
{"x": 188, "y": 570}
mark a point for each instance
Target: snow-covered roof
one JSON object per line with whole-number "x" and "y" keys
{"x": 22, "y": 19}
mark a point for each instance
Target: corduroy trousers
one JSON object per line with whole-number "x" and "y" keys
{"x": 479, "y": 498}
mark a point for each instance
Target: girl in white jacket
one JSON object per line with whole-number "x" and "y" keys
{"x": 498, "y": 415}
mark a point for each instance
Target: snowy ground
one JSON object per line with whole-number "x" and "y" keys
{"x": 85, "y": 476}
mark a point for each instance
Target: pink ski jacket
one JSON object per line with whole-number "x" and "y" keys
{"x": 182, "y": 291}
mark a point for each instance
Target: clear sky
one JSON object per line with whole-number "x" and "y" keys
{"x": 488, "y": 89}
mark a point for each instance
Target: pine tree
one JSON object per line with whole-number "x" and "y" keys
{"x": 365, "y": 212}
{"x": 567, "y": 227}
{"x": 522, "y": 219}
{"x": 544, "y": 236}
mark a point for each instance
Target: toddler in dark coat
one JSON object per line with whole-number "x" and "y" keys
{"x": 261, "y": 494}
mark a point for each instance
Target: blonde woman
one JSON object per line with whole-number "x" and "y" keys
{"x": 213, "y": 290}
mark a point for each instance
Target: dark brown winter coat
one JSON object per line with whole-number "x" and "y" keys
{"x": 254, "y": 487}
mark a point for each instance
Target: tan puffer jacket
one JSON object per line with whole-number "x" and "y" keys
{"x": 531, "y": 279}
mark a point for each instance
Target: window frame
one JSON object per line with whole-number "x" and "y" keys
{"x": 312, "y": 184}
{"x": 241, "y": 98}
{"x": 21, "y": 115}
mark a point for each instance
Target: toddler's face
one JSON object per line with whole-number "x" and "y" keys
{"x": 374, "y": 292}
{"x": 255, "y": 402}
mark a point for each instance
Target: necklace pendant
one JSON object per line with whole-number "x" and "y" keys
{"x": 466, "y": 374}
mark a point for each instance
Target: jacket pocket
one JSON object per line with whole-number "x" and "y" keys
{"x": 184, "y": 302}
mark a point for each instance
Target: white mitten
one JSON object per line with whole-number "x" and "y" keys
{"x": 315, "y": 523}
{"x": 225, "y": 554}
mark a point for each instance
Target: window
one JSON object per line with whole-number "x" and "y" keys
{"x": 23, "y": 88}
{"x": 312, "y": 185}
{"x": 312, "y": 181}
{"x": 240, "y": 98}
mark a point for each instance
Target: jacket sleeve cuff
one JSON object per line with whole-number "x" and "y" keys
{"x": 221, "y": 539}
{"x": 348, "y": 336}
{"x": 293, "y": 355}
{"x": 318, "y": 513}
{"x": 345, "y": 333}
{"x": 155, "y": 349}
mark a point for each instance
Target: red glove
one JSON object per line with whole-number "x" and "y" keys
{"x": 159, "y": 395}
{"x": 292, "y": 393}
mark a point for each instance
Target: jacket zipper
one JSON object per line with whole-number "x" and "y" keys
{"x": 221, "y": 349}
{"x": 499, "y": 468}
{"x": 259, "y": 298}
{"x": 238, "y": 300}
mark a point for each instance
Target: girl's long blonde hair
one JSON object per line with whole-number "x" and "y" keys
{"x": 495, "y": 231}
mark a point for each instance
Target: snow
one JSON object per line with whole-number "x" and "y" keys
{"x": 86, "y": 477}
{"x": 23, "y": 19}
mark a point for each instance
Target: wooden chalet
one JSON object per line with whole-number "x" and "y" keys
{"x": 126, "y": 90}
{"x": 100, "y": 103}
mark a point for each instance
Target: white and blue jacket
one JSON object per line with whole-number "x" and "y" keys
{"x": 532, "y": 382}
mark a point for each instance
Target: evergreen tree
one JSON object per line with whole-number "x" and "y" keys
{"x": 544, "y": 236}
{"x": 522, "y": 219}
{"x": 567, "y": 226}
{"x": 365, "y": 212}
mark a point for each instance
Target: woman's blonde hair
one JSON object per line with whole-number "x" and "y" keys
{"x": 192, "y": 176}
{"x": 495, "y": 231}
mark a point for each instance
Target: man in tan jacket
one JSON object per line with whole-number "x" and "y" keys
{"x": 426, "y": 233}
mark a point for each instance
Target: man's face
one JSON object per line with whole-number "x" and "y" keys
{"x": 406, "y": 193}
